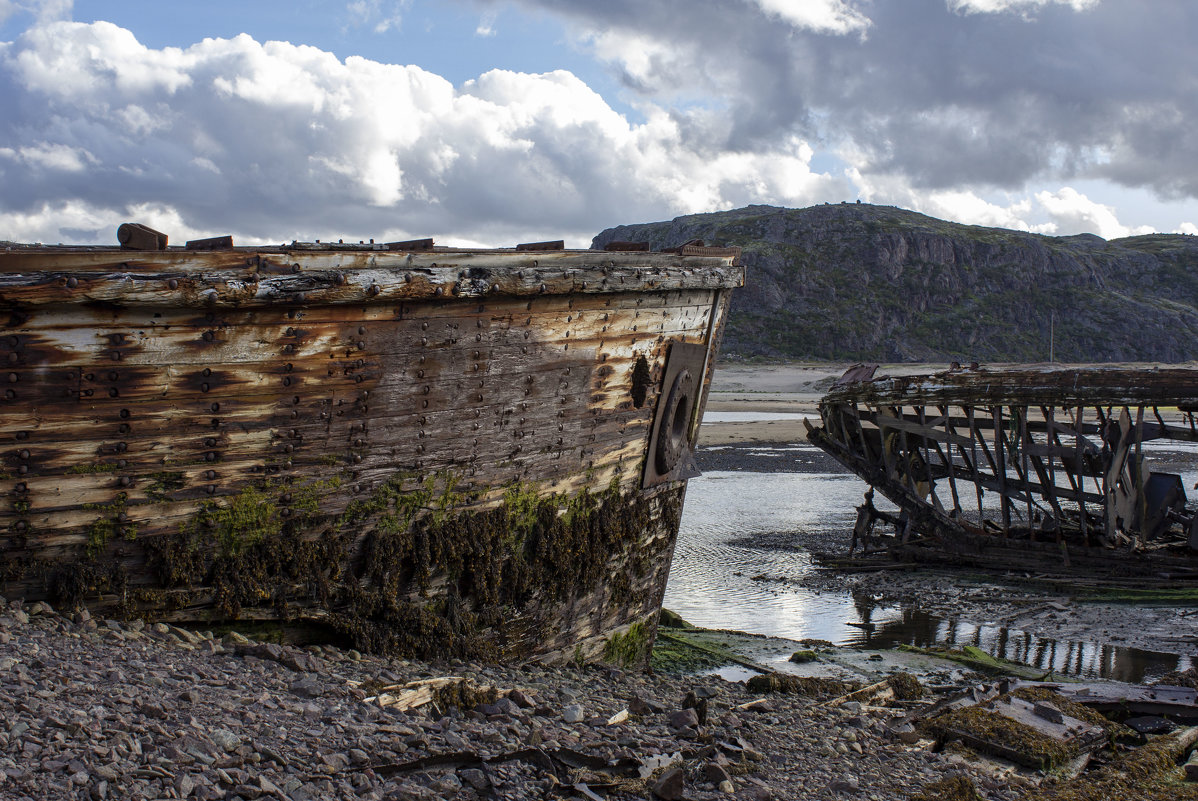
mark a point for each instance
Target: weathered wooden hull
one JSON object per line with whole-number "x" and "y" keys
{"x": 438, "y": 453}
{"x": 1038, "y": 468}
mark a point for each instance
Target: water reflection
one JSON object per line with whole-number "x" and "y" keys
{"x": 741, "y": 529}
{"x": 1062, "y": 657}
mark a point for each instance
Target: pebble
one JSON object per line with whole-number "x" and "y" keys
{"x": 111, "y": 714}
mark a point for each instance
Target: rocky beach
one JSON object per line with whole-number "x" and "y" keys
{"x": 122, "y": 710}
{"x": 125, "y": 709}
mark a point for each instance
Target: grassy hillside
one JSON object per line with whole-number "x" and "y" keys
{"x": 856, "y": 281}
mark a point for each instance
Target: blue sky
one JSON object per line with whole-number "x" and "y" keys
{"x": 488, "y": 121}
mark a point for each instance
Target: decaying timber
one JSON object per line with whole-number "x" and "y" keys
{"x": 432, "y": 451}
{"x": 1080, "y": 469}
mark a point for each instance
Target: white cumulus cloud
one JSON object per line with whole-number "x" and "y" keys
{"x": 833, "y": 16}
{"x": 272, "y": 141}
{"x": 1074, "y": 213}
{"x": 1022, "y": 6}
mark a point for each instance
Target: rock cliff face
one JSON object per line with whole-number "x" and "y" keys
{"x": 856, "y": 281}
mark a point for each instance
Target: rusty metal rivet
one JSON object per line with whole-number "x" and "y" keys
{"x": 357, "y": 379}
{"x": 22, "y": 435}
{"x": 285, "y": 512}
{"x": 173, "y": 283}
{"x": 22, "y": 470}
{"x": 72, "y": 282}
{"x": 116, "y": 355}
{"x": 12, "y": 378}
{"x": 121, "y": 463}
{"x": 288, "y": 448}
{"x": 203, "y": 387}
{"x": 426, "y": 390}
{"x": 419, "y": 449}
{"x": 287, "y": 381}
{"x": 207, "y": 372}
{"x": 357, "y": 459}
{"x": 125, "y": 481}
{"x": 215, "y": 407}
{"x": 361, "y": 330}
{"x": 121, "y": 447}
{"x": 439, "y": 291}
{"x": 209, "y": 336}
{"x": 340, "y": 279}
{"x": 211, "y": 489}
{"x": 8, "y": 393}
{"x": 13, "y": 358}
{"x": 424, "y": 405}
{"x": 210, "y": 474}
{"x": 22, "y": 486}
{"x": 375, "y": 289}
{"x": 209, "y": 457}
{"x": 295, "y": 268}
{"x": 358, "y": 442}
{"x": 24, "y": 454}
{"x": 123, "y": 428}
{"x": 21, "y": 525}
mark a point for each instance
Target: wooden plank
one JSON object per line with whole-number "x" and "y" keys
{"x": 221, "y": 278}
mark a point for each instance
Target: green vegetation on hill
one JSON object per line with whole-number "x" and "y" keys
{"x": 864, "y": 282}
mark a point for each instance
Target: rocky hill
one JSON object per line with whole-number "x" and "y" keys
{"x": 864, "y": 282}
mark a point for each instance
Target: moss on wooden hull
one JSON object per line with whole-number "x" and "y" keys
{"x": 435, "y": 454}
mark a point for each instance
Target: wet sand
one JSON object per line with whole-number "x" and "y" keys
{"x": 793, "y": 388}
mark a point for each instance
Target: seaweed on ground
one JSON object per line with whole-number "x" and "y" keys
{"x": 801, "y": 685}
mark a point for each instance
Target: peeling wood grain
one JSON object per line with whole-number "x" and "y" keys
{"x": 155, "y": 397}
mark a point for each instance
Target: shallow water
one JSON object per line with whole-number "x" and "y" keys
{"x": 712, "y": 577}
{"x": 739, "y": 527}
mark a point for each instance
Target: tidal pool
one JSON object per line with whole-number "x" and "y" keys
{"x": 743, "y": 529}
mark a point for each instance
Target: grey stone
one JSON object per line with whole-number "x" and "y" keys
{"x": 475, "y": 778}
{"x": 573, "y": 714}
{"x": 225, "y": 739}
{"x": 684, "y": 718}
{"x": 184, "y": 785}
{"x": 716, "y": 774}
{"x": 670, "y": 786}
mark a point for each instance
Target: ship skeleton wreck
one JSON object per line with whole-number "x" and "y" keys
{"x": 1039, "y": 467}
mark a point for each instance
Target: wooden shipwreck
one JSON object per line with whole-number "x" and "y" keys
{"x": 1040, "y": 468}
{"x": 430, "y": 451}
